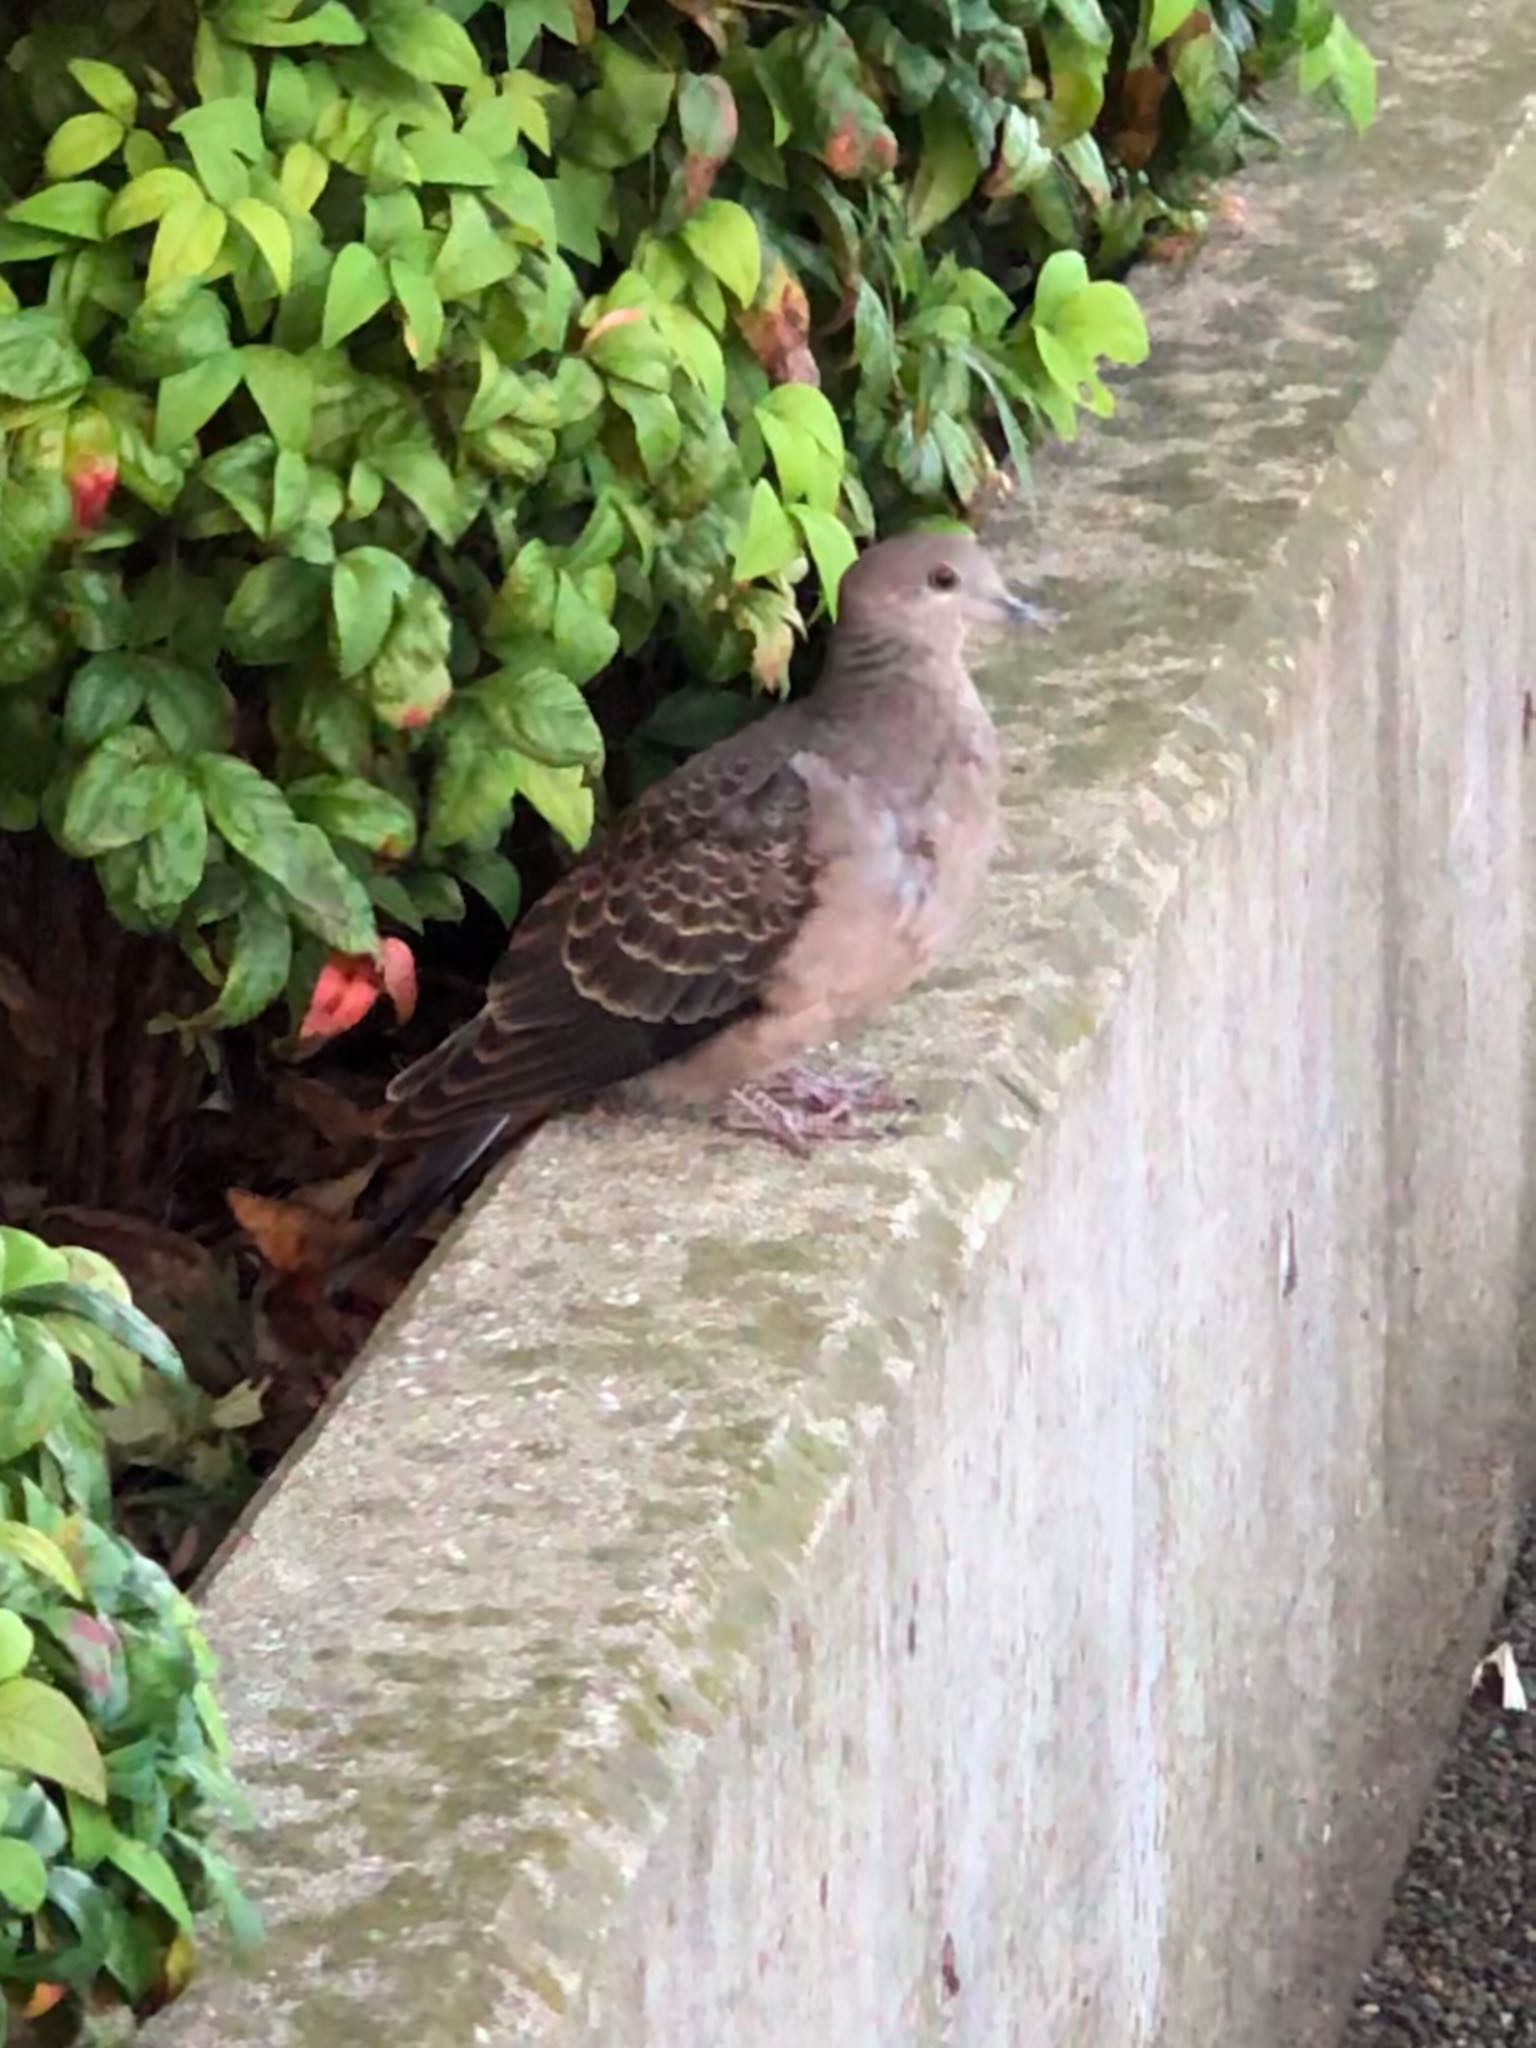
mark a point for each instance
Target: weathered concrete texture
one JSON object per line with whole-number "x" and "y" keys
{"x": 1007, "y": 1587}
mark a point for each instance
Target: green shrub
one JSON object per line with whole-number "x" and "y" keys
{"x": 374, "y": 373}
{"x": 112, "y": 1755}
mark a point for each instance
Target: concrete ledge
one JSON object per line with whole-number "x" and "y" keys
{"x": 1008, "y": 1587}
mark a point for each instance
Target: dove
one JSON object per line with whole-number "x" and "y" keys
{"x": 761, "y": 901}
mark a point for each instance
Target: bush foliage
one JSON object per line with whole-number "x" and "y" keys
{"x": 111, "y": 1748}
{"x": 373, "y": 373}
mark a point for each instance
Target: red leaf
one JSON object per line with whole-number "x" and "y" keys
{"x": 346, "y": 989}
{"x": 398, "y": 968}
{"x": 349, "y": 984}
{"x": 91, "y": 487}
{"x": 97, "y": 1651}
{"x": 417, "y": 715}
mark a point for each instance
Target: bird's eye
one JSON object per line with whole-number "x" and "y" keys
{"x": 943, "y": 578}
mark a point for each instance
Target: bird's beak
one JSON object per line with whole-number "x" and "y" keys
{"x": 1019, "y": 611}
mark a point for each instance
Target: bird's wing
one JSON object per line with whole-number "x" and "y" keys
{"x": 649, "y": 945}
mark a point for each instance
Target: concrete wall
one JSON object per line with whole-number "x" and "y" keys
{"x": 1005, "y": 1588}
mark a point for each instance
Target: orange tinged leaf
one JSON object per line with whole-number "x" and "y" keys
{"x": 290, "y": 1236}
{"x": 619, "y": 316}
{"x": 44, "y": 1998}
{"x": 778, "y": 329}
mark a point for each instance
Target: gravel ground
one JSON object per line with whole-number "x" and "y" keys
{"x": 1457, "y": 1964}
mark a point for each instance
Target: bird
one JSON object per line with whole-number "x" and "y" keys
{"x": 759, "y": 902}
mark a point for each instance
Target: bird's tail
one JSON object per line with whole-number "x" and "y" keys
{"x": 408, "y": 1188}
{"x": 442, "y": 1118}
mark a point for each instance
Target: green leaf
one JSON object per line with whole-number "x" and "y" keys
{"x": 347, "y": 807}
{"x": 270, "y": 231}
{"x": 119, "y": 1319}
{"x": 1166, "y": 18}
{"x": 121, "y": 791}
{"x": 44, "y": 1733}
{"x": 695, "y": 348}
{"x": 23, "y": 1873}
{"x": 291, "y": 500}
{"x": 424, "y": 41}
{"x": 358, "y": 289}
{"x": 441, "y": 157}
{"x": 1078, "y": 58}
{"x": 283, "y": 387}
{"x": 257, "y": 820}
{"x": 40, "y": 1554}
{"x": 78, "y": 209}
{"x": 473, "y": 784}
{"x": 493, "y": 876}
{"x": 189, "y": 708}
{"x": 220, "y": 71}
{"x": 585, "y": 637}
{"x": 559, "y": 795}
{"x": 304, "y": 176}
{"x": 91, "y": 1833}
{"x": 39, "y": 364}
{"x": 658, "y": 430}
{"x": 243, "y": 476}
{"x": 111, "y": 89}
{"x": 409, "y": 682}
{"x": 421, "y": 475}
{"x": 332, "y": 24}
{"x": 171, "y": 333}
{"x": 769, "y": 545}
{"x": 81, "y": 143}
{"x": 948, "y": 170}
{"x": 805, "y": 439}
{"x": 543, "y": 713}
{"x": 525, "y": 92}
{"x": 1074, "y": 322}
{"x": 366, "y": 584}
{"x": 1342, "y": 64}
{"x": 724, "y": 237}
{"x": 423, "y": 309}
{"x": 277, "y": 605}
{"x": 187, "y": 243}
{"x": 832, "y": 548}
{"x": 153, "y": 1875}
{"x": 582, "y": 199}
{"x": 187, "y": 401}
{"x": 244, "y": 1921}
{"x": 474, "y": 255}
{"x": 92, "y": 605}
{"x": 621, "y": 120}
{"x": 25, "y": 1261}
{"x": 693, "y": 718}
{"x": 259, "y": 964}
{"x": 37, "y": 1386}
{"x": 150, "y": 197}
{"x": 16, "y": 1645}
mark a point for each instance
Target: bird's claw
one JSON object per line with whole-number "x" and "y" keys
{"x": 805, "y": 1106}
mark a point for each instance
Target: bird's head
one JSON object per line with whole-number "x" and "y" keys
{"x": 936, "y": 586}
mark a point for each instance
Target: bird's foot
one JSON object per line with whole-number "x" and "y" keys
{"x": 806, "y": 1106}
